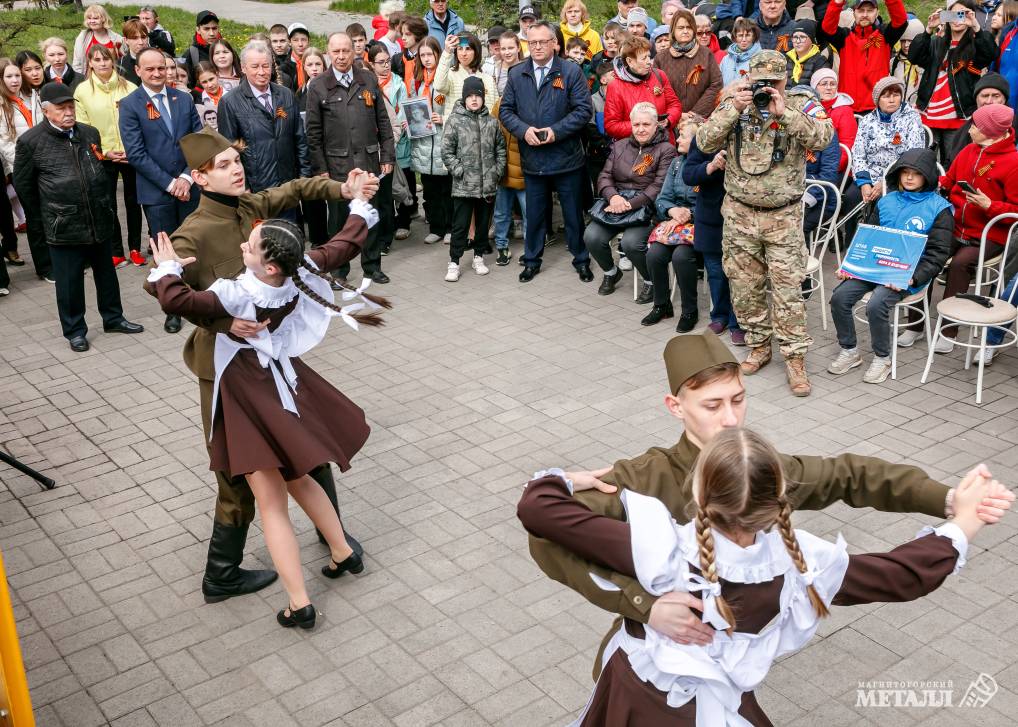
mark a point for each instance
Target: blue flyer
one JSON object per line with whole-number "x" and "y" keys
{"x": 883, "y": 255}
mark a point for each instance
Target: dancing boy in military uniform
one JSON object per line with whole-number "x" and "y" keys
{"x": 767, "y": 142}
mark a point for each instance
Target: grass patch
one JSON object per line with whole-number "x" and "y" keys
{"x": 23, "y": 29}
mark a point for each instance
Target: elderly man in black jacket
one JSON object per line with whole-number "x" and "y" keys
{"x": 266, "y": 117}
{"x": 348, "y": 127}
{"x": 60, "y": 180}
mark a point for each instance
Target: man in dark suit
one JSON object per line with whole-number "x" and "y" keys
{"x": 153, "y": 119}
{"x": 348, "y": 127}
{"x": 266, "y": 117}
{"x": 546, "y": 105}
{"x": 59, "y": 177}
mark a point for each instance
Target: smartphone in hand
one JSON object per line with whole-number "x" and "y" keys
{"x": 542, "y": 135}
{"x": 968, "y": 187}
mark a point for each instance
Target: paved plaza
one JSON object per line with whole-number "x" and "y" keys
{"x": 469, "y": 389}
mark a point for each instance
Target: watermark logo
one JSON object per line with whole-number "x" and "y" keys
{"x": 936, "y": 694}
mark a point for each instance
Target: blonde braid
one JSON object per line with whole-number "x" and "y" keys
{"x": 792, "y": 546}
{"x": 705, "y": 539}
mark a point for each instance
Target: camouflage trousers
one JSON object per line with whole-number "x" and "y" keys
{"x": 761, "y": 246}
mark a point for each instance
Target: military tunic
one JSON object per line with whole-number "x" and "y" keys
{"x": 764, "y": 182}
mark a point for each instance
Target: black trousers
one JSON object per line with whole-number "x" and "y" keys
{"x": 463, "y": 208}
{"x": 404, "y": 211}
{"x": 40, "y": 250}
{"x": 8, "y": 235}
{"x": 315, "y": 214}
{"x": 371, "y": 253}
{"x": 437, "y": 190}
{"x": 131, "y": 207}
{"x": 69, "y": 265}
{"x": 683, "y": 260}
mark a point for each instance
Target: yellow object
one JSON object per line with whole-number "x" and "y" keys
{"x": 15, "y": 704}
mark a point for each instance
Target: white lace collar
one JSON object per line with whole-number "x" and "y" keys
{"x": 762, "y": 561}
{"x": 264, "y": 295}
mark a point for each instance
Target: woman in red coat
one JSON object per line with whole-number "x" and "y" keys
{"x": 990, "y": 165}
{"x": 637, "y": 80}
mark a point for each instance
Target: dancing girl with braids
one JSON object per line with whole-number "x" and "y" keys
{"x": 764, "y": 585}
{"x": 274, "y": 420}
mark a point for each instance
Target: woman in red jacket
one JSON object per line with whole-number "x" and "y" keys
{"x": 839, "y": 107}
{"x": 637, "y": 80}
{"x": 990, "y": 165}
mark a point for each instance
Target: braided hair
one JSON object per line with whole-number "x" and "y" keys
{"x": 738, "y": 484}
{"x": 283, "y": 245}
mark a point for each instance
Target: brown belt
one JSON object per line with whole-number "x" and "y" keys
{"x": 757, "y": 208}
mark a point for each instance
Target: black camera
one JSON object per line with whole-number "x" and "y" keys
{"x": 761, "y": 98}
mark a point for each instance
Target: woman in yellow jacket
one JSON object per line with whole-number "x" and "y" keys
{"x": 97, "y": 103}
{"x": 510, "y": 189}
{"x": 576, "y": 24}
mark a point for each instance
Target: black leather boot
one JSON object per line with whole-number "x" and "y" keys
{"x": 323, "y": 476}
{"x": 224, "y": 578}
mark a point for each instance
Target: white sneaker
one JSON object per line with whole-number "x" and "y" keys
{"x": 879, "y": 370}
{"x": 909, "y": 337}
{"x": 3, "y": 292}
{"x": 987, "y": 354}
{"x": 453, "y": 273}
{"x": 847, "y": 360}
{"x": 432, "y": 238}
{"x": 625, "y": 263}
{"x": 944, "y": 345}
{"x": 447, "y": 239}
{"x": 402, "y": 233}
{"x": 478, "y": 265}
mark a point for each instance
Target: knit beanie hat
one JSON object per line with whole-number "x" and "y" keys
{"x": 914, "y": 28}
{"x": 993, "y": 120}
{"x": 885, "y": 83}
{"x": 638, "y": 15}
{"x": 473, "y": 86}
{"x": 809, "y": 27}
{"x": 820, "y": 75}
{"x": 994, "y": 80}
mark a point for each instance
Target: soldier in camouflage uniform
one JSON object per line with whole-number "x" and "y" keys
{"x": 764, "y": 183}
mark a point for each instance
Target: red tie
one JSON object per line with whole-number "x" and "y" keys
{"x": 57, "y": 79}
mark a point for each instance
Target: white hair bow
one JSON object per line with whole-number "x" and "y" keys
{"x": 709, "y": 592}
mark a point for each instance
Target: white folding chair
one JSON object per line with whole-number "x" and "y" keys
{"x": 957, "y": 312}
{"x": 822, "y": 236}
{"x": 929, "y": 137}
{"x": 848, "y": 168}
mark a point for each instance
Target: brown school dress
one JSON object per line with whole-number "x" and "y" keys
{"x": 251, "y": 430}
{"x": 621, "y": 698}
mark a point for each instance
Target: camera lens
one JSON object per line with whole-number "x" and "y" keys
{"x": 761, "y": 99}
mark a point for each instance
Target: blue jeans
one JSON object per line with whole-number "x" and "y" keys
{"x": 721, "y": 310}
{"x": 504, "y": 213}
{"x": 995, "y": 335}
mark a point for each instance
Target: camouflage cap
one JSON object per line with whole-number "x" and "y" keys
{"x": 768, "y": 65}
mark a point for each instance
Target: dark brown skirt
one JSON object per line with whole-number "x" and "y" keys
{"x": 622, "y": 699}
{"x": 252, "y": 431}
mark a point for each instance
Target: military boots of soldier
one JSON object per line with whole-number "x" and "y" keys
{"x": 758, "y": 358}
{"x": 798, "y": 381}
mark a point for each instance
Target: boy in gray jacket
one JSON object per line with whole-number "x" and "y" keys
{"x": 474, "y": 152}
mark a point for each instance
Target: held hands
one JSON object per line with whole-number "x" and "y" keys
{"x": 356, "y": 182}
{"x": 162, "y": 251}
{"x": 871, "y": 192}
{"x": 618, "y": 204}
{"x": 591, "y": 481}
{"x": 671, "y": 616}
{"x": 995, "y": 502}
{"x": 967, "y": 498}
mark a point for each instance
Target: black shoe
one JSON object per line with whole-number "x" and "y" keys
{"x": 353, "y": 564}
{"x": 657, "y": 314}
{"x": 14, "y": 259}
{"x": 379, "y": 277}
{"x": 528, "y": 273}
{"x": 585, "y": 274}
{"x": 48, "y": 278}
{"x": 124, "y": 326}
{"x": 79, "y": 344}
{"x": 385, "y": 250}
{"x": 172, "y": 324}
{"x": 339, "y": 283}
{"x": 303, "y": 617}
{"x": 607, "y": 286}
{"x": 807, "y": 288}
{"x": 687, "y": 322}
{"x": 323, "y": 476}
{"x": 646, "y": 294}
{"x": 224, "y": 578}
{"x": 504, "y": 256}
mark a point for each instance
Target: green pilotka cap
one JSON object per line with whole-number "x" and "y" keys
{"x": 689, "y": 354}
{"x": 203, "y": 146}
